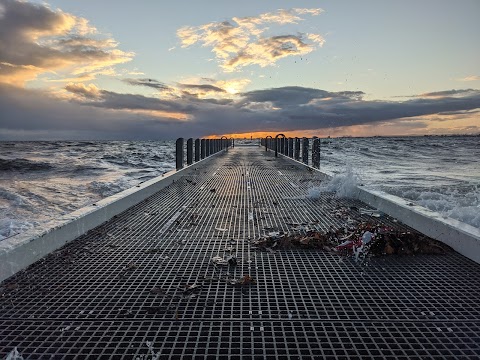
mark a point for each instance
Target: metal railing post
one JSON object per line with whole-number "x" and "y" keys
{"x": 268, "y": 144}
{"x": 224, "y": 141}
{"x": 290, "y": 147}
{"x": 202, "y": 148}
{"x": 179, "y": 153}
{"x": 207, "y": 147}
{"x": 297, "y": 148}
{"x": 305, "y": 151}
{"x": 197, "y": 150}
{"x": 316, "y": 153}
{"x": 190, "y": 151}
{"x": 277, "y": 145}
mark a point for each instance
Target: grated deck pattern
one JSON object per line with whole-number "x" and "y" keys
{"x": 119, "y": 292}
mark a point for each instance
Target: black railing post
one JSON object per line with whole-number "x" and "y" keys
{"x": 297, "y": 148}
{"x": 224, "y": 141}
{"x": 305, "y": 151}
{"x": 316, "y": 153}
{"x": 179, "y": 153}
{"x": 277, "y": 145}
{"x": 268, "y": 144}
{"x": 290, "y": 147}
{"x": 202, "y": 148}
{"x": 207, "y": 147}
{"x": 190, "y": 151}
{"x": 197, "y": 150}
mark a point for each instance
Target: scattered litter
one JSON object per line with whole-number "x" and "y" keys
{"x": 14, "y": 355}
{"x": 212, "y": 190}
{"x": 220, "y": 261}
{"x": 152, "y": 251}
{"x": 221, "y": 229}
{"x": 361, "y": 240}
{"x": 158, "y": 291}
{"x": 373, "y": 213}
{"x": 130, "y": 267}
{"x": 243, "y": 281}
{"x": 192, "y": 290}
{"x": 155, "y": 356}
{"x": 126, "y": 312}
{"x": 155, "y": 309}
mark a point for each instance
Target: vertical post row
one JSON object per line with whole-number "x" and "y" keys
{"x": 197, "y": 150}
{"x": 297, "y": 148}
{"x": 305, "y": 151}
{"x": 190, "y": 151}
{"x": 316, "y": 153}
{"x": 202, "y": 148}
{"x": 207, "y": 147}
{"x": 179, "y": 153}
{"x": 290, "y": 147}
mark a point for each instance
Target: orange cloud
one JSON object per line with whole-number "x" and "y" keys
{"x": 37, "y": 40}
{"x": 238, "y": 43}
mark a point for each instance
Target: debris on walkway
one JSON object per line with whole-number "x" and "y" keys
{"x": 245, "y": 280}
{"x": 220, "y": 261}
{"x": 374, "y": 239}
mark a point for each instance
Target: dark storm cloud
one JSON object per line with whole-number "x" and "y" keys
{"x": 296, "y": 95}
{"x": 282, "y": 109}
{"x": 448, "y": 93}
{"x": 202, "y": 87}
{"x": 152, "y": 83}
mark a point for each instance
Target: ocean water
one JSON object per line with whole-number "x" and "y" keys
{"x": 40, "y": 181}
{"x": 441, "y": 173}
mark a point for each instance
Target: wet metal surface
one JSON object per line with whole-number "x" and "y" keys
{"x": 142, "y": 285}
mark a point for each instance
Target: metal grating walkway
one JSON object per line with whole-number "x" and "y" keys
{"x": 141, "y": 286}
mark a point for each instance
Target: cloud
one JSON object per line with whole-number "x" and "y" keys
{"x": 470, "y": 78}
{"x": 34, "y": 40}
{"x": 202, "y": 87}
{"x": 445, "y": 93}
{"x": 92, "y": 110}
{"x": 239, "y": 42}
{"x": 88, "y": 91}
{"x": 152, "y": 83}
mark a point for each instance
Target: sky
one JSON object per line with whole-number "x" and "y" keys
{"x": 149, "y": 70}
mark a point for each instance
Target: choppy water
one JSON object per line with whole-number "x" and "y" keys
{"x": 39, "y": 181}
{"x": 439, "y": 173}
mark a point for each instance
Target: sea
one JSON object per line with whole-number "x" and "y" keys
{"x": 42, "y": 180}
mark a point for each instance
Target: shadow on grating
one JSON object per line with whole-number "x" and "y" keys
{"x": 141, "y": 286}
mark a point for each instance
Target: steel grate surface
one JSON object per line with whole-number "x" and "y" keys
{"x": 118, "y": 291}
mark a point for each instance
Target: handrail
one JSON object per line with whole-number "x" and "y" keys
{"x": 276, "y": 143}
{"x": 198, "y": 149}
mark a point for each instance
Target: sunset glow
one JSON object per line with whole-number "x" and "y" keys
{"x": 247, "y": 69}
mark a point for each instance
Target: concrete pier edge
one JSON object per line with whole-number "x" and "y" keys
{"x": 20, "y": 251}
{"x": 463, "y": 238}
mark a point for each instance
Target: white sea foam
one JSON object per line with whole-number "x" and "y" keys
{"x": 343, "y": 185}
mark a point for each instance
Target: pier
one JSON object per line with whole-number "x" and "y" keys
{"x": 134, "y": 277}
